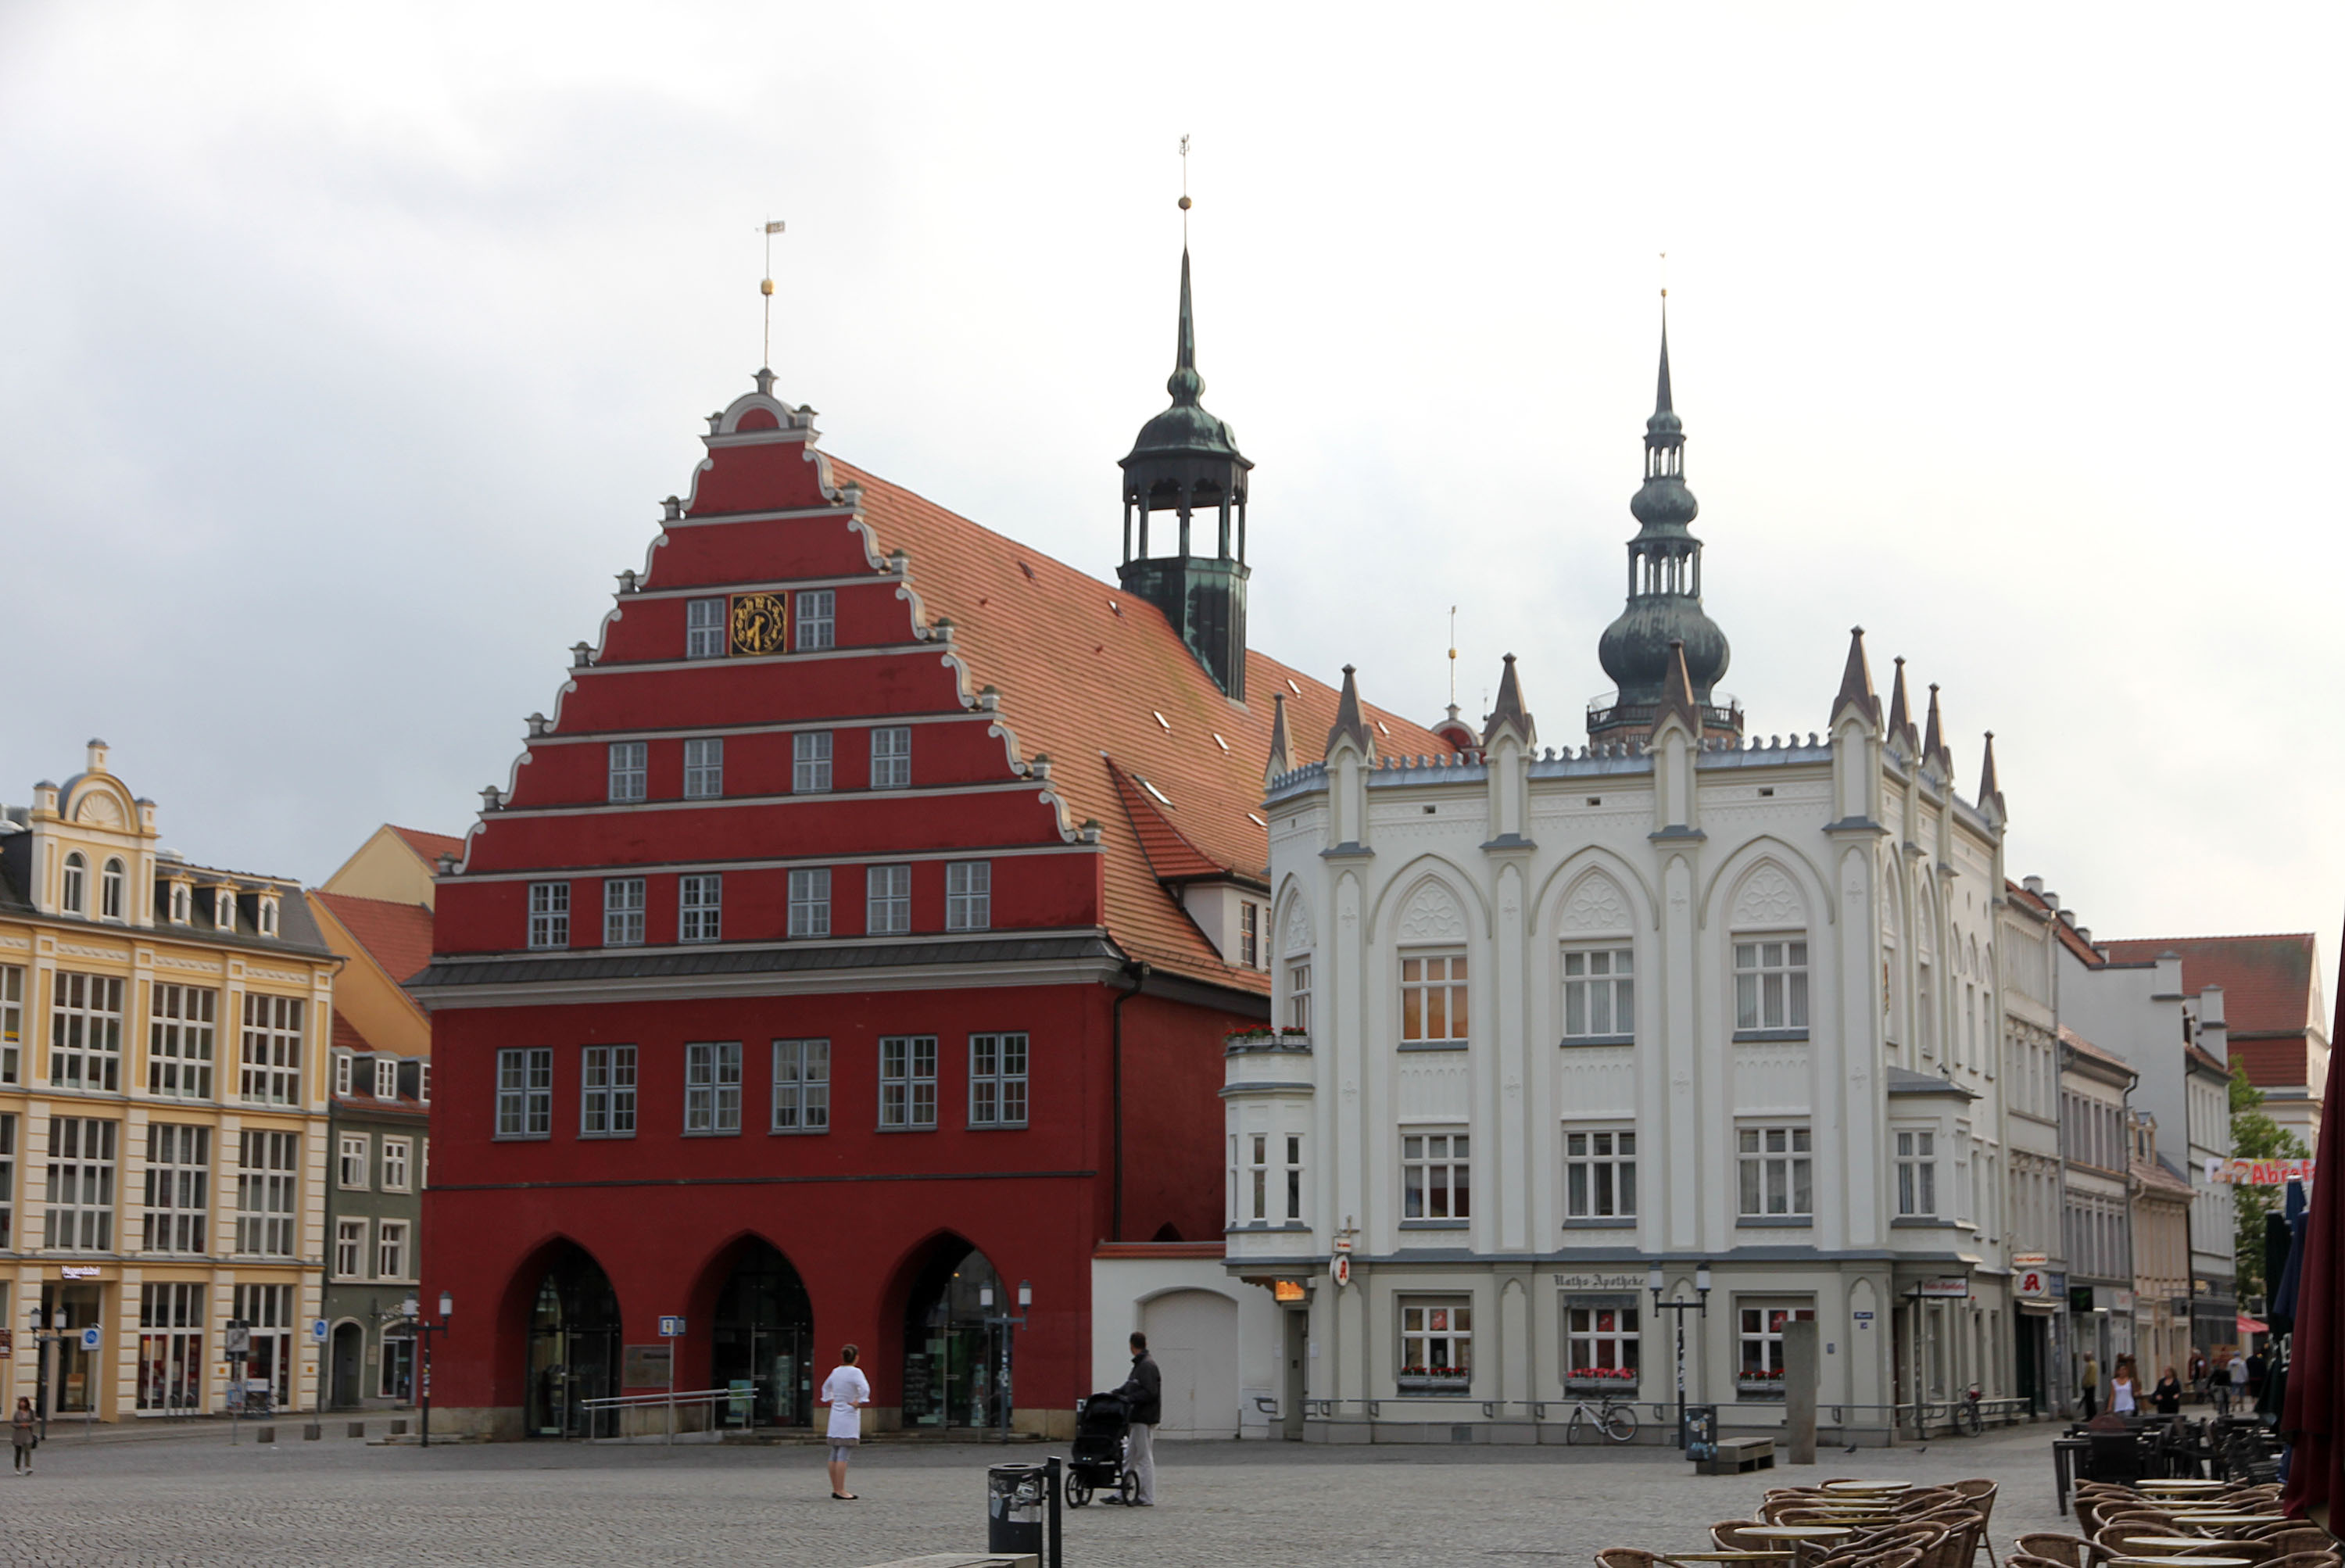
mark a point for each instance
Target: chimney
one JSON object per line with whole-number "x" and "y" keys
{"x": 2033, "y": 884}
{"x": 2067, "y": 917}
{"x": 2213, "y": 1033}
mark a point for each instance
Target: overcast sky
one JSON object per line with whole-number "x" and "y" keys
{"x": 349, "y": 352}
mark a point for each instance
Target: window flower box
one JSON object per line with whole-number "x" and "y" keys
{"x": 1758, "y": 1385}
{"x": 1602, "y": 1380}
{"x": 1435, "y": 1380}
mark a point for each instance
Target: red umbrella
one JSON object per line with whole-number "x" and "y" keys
{"x": 2313, "y": 1419}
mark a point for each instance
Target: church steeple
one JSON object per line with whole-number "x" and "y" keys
{"x": 1187, "y": 462}
{"x": 1664, "y": 608}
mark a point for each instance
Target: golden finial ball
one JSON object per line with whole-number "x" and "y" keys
{"x": 1184, "y": 204}
{"x": 764, "y": 286}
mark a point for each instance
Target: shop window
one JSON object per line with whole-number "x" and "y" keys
{"x": 1437, "y": 1345}
{"x": 1600, "y": 1346}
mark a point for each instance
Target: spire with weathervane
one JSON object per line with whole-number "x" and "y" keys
{"x": 1663, "y": 627}
{"x": 1187, "y": 463}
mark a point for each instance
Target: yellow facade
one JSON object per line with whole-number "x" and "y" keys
{"x": 163, "y": 1139}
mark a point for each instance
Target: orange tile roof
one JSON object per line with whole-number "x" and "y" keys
{"x": 1169, "y": 853}
{"x": 430, "y": 846}
{"x": 347, "y": 1036}
{"x": 2269, "y": 983}
{"x": 1087, "y": 673}
{"x": 398, "y": 937}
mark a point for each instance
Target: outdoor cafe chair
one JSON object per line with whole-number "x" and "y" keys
{"x": 2303, "y": 1560}
{"x": 2068, "y": 1551}
{"x": 1627, "y": 1557}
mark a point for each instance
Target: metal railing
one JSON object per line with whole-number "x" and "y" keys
{"x": 669, "y": 1400}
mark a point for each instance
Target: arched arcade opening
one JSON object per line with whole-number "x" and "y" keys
{"x": 957, "y": 1369}
{"x": 575, "y": 1345}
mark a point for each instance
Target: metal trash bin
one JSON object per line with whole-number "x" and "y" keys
{"x": 1016, "y": 1497}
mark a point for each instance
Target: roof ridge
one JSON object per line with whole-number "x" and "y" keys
{"x": 1132, "y": 788}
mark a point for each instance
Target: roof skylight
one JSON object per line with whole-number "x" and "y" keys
{"x": 1153, "y": 790}
{"x": 1219, "y": 741}
{"x": 1161, "y": 720}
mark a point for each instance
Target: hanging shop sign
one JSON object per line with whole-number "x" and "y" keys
{"x": 1954, "y": 1289}
{"x": 2259, "y": 1173}
{"x": 1341, "y": 1269}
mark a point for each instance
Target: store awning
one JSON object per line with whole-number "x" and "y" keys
{"x": 2250, "y": 1326}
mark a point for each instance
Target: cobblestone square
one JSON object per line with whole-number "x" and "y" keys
{"x": 189, "y": 1498}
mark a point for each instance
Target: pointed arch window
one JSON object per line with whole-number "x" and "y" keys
{"x": 77, "y": 884}
{"x": 109, "y": 891}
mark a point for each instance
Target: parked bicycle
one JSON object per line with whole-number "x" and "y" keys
{"x": 1617, "y": 1419}
{"x": 1967, "y": 1419}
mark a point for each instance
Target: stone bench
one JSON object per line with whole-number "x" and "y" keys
{"x": 1737, "y": 1455}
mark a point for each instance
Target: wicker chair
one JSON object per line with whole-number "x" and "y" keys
{"x": 2068, "y": 1551}
{"x": 1627, "y": 1557}
{"x": 1980, "y": 1496}
{"x": 2305, "y": 1560}
{"x": 1730, "y": 1537}
{"x": 2299, "y": 1539}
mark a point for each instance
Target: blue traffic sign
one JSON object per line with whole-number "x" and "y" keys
{"x": 89, "y": 1338}
{"x": 671, "y": 1328}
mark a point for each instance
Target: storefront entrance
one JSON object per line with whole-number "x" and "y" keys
{"x": 763, "y": 1337}
{"x": 953, "y": 1375}
{"x": 71, "y": 1386}
{"x": 574, "y": 1350}
{"x": 350, "y": 1347}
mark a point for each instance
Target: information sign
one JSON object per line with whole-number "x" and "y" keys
{"x": 89, "y": 1337}
{"x": 1955, "y": 1290}
{"x": 318, "y": 1329}
{"x": 646, "y": 1366}
{"x": 672, "y": 1328}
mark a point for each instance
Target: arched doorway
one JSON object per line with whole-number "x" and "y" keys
{"x": 574, "y": 1348}
{"x": 953, "y": 1371}
{"x": 763, "y": 1335}
{"x": 350, "y": 1349}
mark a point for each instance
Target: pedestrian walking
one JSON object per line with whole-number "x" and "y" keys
{"x": 1144, "y": 1391}
{"x": 2198, "y": 1376}
{"x": 2121, "y": 1388}
{"x": 2091, "y": 1381}
{"x": 847, "y": 1391}
{"x": 2257, "y": 1366}
{"x": 24, "y": 1435}
{"x": 2166, "y": 1397}
{"x": 2238, "y": 1382}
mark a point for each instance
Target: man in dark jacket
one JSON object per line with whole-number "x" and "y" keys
{"x": 1144, "y": 1391}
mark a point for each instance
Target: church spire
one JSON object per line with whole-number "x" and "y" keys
{"x": 1901, "y": 716}
{"x": 1856, "y": 683}
{"x": 1282, "y": 750}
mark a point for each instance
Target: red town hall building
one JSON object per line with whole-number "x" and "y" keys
{"x": 861, "y": 931}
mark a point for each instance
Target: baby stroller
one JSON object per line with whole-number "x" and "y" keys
{"x": 1101, "y": 1425}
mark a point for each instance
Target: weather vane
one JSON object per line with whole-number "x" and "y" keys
{"x": 1665, "y": 274}
{"x": 1453, "y": 656}
{"x": 1184, "y": 191}
{"x": 766, "y": 286}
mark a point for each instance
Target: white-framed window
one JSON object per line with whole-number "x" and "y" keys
{"x": 7, "y": 1183}
{"x": 182, "y": 1024}
{"x": 887, "y": 900}
{"x": 712, "y": 1086}
{"x": 801, "y": 1085}
{"x": 265, "y": 1179}
{"x": 1437, "y": 1177}
{"x": 349, "y": 1249}
{"x": 704, "y": 768}
{"x": 1599, "y": 1173}
{"x": 606, "y": 1092}
{"x": 1759, "y": 1326}
{"x": 171, "y": 1346}
{"x": 85, "y": 1031}
{"x": 817, "y": 618}
{"x": 1249, "y": 934}
{"x": 224, "y": 910}
{"x": 810, "y": 761}
{"x": 549, "y": 914}
{"x": 272, "y": 1049}
{"x": 386, "y": 1077}
{"x": 810, "y": 902}
{"x": 82, "y": 1154}
{"x": 1437, "y": 1343}
{"x": 704, "y": 628}
{"x": 630, "y": 769}
{"x": 968, "y": 895}
{"x": 1293, "y": 1173}
{"x": 1776, "y": 1171}
{"x": 12, "y": 1024}
{"x": 424, "y": 1083}
{"x": 622, "y": 911}
{"x": 1771, "y": 983}
{"x": 525, "y": 1092}
{"x": 390, "y": 1249}
{"x": 178, "y": 1186}
{"x": 1601, "y": 1342}
{"x": 395, "y": 1164}
{"x": 268, "y": 1311}
{"x": 183, "y": 903}
{"x": 700, "y": 907}
{"x": 1433, "y": 999}
{"x": 997, "y": 1080}
{"x": 75, "y": 889}
{"x": 109, "y": 891}
{"x": 891, "y": 757}
{"x": 1599, "y": 993}
{"x": 268, "y": 916}
{"x": 907, "y": 1081}
{"x": 1298, "y": 995}
{"x": 353, "y": 1161}
{"x": 1917, "y": 1172}
{"x": 1253, "y": 1208}
{"x": 345, "y": 1067}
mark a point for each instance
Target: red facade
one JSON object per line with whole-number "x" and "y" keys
{"x": 783, "y": 705}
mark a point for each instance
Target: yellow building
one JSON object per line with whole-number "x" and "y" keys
{"x": 163, "y": 1138}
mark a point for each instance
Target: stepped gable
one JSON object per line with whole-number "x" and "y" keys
{"x": 1083, "y": 670}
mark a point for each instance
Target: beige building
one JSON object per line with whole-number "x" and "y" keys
{"x": 162, "y": 1115}
{"x": 2162, "y": 1197}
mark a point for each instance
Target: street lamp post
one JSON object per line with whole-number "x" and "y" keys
{"x": 1004, "y": 1322}
{"x": 447, "y": 1310}
{"x": 1699, "y": 1304}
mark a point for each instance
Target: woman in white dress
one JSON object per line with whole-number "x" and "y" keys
{"x": 846, "y": 1392}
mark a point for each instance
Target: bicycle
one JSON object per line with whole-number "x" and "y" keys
{"x": 1617, "y": 1419}
{"x": 1967, "y": 1419}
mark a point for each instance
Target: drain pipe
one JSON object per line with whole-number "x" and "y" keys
{"x": 1138, "y": 975}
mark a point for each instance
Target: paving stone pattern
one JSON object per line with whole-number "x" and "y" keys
{"x": 191, "y": 1499}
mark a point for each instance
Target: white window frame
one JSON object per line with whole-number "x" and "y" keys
{"x": 7, "y": 1182}
{"x": 268, "y": 1192}
{"x": 1775, "y": 1161}
{"x": 1434, "y": 1000}
{"x": 968, "y": 895}
{"x": 1759, "y": 1342}
{"x": 74, "y": 884}
{"x": 908, "y": 1083}
{"x": 801, "y": 1086}
{"x": 629, "y": 770}
{"x": 549, "y": 915}
{"x": 12, "y": 1024}
{"x": 268, "y": 908}
{"x": 84, "y": 1163}
{"x": 178, "y": 1181}
{"x": 182, "y": 904}
{"x": 810, "y": 759}
{"x": 525, "y": 1093}
{"x": 386, "y": 1077}
{"x": 111, "y": 881}
{"x": 1298, "y": 995}
{"x": 1249, "y": 934}
{"x": 815, "y": 612}
{"x": 607, "y": 1092}
{"x": 1599, "y": 1171}
{"x": 1437, "y": 1176}
{"x": 345, "y": 1068}
{"x": 391, "y": 1252}
{"x": 1602, "y": 1341}
{"x": 888, "y": 901}
{"x": 622, "y": 911}
{"x": 268, "y": 1310}
{"x": 891, "y": 757}
{"x": 354, "y": 1162}
{"x": 86, "y": 1030}
{"x": 1254, "y": 1204}
{"x": 1770, "y": 983}
{"x": 1437, "y": 1344}
{"x": 700, "y": 907}
{"x": 705, "y": 627}
{"x": 1917, "y": 1172}
{"x": 171, "y": 1366}
{"x": 224, "y": 910}
{"x": 270, "y": 1066}
{"x": 712, "y": 1088}
{"x": 350, "y": 1248}
{"x": 182, "y": 1035}
{"x": 810, "y": 902}
{"x": 1599, "y": 993}
{"x": 704, "y": 768}
{"x": 396, "y": 1163}
{"x": 999, "y": 1082}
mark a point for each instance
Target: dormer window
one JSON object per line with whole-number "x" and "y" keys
{"x": 183, "y": 903}
{"x": 386, "y": 1077}
{"x": 109, "y": 891}
{"x": 76, "y": 890}
{"x": 342, "y": 1067}
{"x": 268, "y": 917}
{"x": 224, "y": 910}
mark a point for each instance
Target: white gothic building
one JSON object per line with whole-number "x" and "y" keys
{"x": 1676, "y": 999}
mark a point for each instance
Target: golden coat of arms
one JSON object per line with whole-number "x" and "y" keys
{"x": 760, "y": 623}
